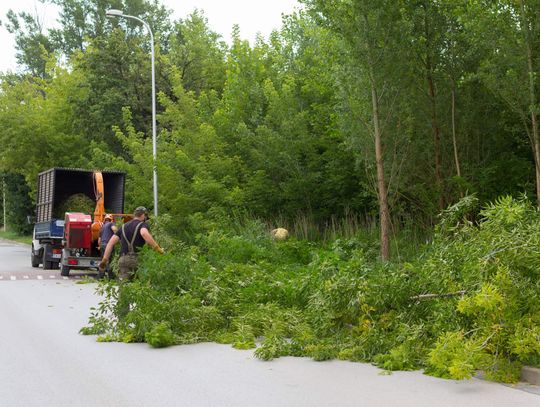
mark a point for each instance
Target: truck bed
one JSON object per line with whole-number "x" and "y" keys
{"x": 53, "y": 229}
{"x": 58, "y": 184}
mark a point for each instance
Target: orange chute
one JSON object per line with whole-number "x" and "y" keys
{"x": 99, "y": 212}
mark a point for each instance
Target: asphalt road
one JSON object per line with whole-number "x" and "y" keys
{"x": 45, "y": 362}
{"x": 15, "y": 265}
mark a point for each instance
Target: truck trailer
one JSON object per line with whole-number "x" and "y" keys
{"x": 69, "y": 240}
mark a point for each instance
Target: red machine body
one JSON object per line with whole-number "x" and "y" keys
{"x": 78, "y": 231}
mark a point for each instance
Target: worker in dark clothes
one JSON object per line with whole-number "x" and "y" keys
{"x": 105, "y": 234}
{"x": 133, "y": 235}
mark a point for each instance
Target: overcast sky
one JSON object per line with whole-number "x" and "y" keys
{"x": 252, "y": 15}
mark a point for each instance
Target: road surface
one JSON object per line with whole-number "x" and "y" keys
{"x": 45, "y": 362}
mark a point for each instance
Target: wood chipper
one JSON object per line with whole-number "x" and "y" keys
{"x": 78, "y": 250}
{"x": 69, "y": 240}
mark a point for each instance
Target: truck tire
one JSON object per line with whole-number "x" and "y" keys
{"x": 47, "y": 265}
{"x": 34, "y": 258}
{"x": 64, "y": 271}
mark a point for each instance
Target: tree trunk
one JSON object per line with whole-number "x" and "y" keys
{"x": 454, "y": 138}
{"x": 384, "y": 213}
{"x": 382, "y": 193}
{"x": 436, "y": 135}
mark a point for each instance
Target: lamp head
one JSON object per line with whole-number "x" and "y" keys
{"x": 114, "y": 13}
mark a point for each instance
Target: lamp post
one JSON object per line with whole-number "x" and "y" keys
{"x": 120, "y": 14}
{"x": 4, "y": 203}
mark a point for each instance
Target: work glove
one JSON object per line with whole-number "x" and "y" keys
{"x": 159, "y": 250}
{"x": 103, "y": 265}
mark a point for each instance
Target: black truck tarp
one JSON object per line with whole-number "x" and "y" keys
{"x": 58, "y": 184}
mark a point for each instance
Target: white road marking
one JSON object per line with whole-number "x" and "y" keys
{"x": 13, "y": 277}
{"x": 1, "y": 277}
{"x": 25, "y": 277}
{"x": 65, "y": 278}
{"x": 40, "y": 277}
{"x": 53, "y": 276}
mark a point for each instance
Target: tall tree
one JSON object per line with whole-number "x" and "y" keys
{"x": 198, "y": 53}
{"x": 428, "y": 29}
{"x": 373, "y": 31}
{"x": 530, "y": 30}
{"x": 32, "y": 43}
{"x": 81, "y": 20}
{"x": 114, "y": 72}
{"x": 508, "y": 34}
{"x": 39, "y": 125}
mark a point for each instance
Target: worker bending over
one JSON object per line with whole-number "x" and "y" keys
{"x": 133, "y": 235}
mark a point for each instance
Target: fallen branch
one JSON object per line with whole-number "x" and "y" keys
{"x": 430, "y": 296}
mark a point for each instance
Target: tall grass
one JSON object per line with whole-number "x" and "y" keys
{"x": 406, "y": 240}
{"x": 305, "y": 227}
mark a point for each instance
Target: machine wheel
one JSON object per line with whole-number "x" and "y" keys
{"x": 34, "y": 258}
{"x": 47, "y": 265}
{"x": 64, "y": 271}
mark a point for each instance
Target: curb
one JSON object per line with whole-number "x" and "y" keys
{"x": 530, "y": 375}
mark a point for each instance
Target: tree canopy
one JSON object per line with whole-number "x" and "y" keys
{"x": 386, "y": 110}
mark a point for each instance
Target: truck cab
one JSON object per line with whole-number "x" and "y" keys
{"x": 47, "y": 244}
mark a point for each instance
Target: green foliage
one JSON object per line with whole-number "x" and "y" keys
{"x": 18, "y": 204}
{"x": 334, "y": 301}
{"x": 450, "y": 358}
{"x": 402, "y": 357}
{"x": 498, "y": 262}
{"x": 32, "y": 45}
{"x": 282, "y": 131}
{"x": 453, "y": 217}
{"x": 160, "y": 336}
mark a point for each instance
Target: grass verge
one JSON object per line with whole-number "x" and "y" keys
{"x": 15, "y": 237}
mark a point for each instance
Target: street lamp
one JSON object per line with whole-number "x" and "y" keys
{"x": 4, "y": 203}
{"x": 120, "y": 13}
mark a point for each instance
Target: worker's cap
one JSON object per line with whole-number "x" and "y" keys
{"x": 141, "y": 210}
{"x": 108, "y": 217}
